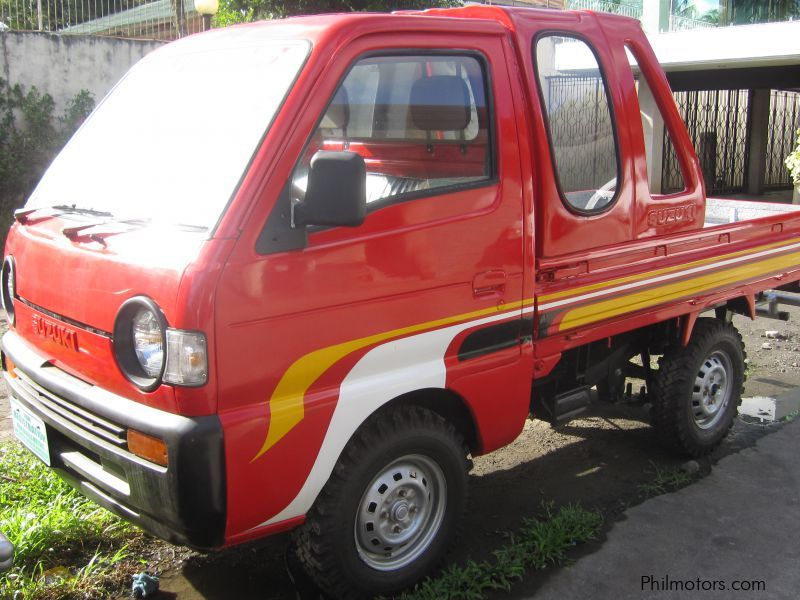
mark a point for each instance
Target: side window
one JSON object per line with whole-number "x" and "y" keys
{"x": 421, "y": 123}
{"x": 659, "y": 150}
{"x": 579, "y": 122}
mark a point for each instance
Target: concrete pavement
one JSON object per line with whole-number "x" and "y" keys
{"x": 734, "y": 534}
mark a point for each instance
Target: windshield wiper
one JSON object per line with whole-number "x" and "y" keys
{"x": 23, "y": 215}
{"x": 73, "y": 233}
{"x": 82, "y": 211}
{"x": 192, "y": 227}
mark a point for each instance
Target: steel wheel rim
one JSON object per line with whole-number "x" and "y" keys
{"x": 711, "y": 394}
{"x": 400, "y": 512}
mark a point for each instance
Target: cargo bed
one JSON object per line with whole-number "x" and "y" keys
{"x": 720, "y": 211}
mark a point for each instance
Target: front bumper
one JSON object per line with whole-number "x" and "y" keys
{"x": 183, "y": 502}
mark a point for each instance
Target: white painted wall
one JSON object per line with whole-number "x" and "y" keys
{"x": 63, "y": 65}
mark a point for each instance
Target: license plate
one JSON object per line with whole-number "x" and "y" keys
{"x": 30, "y": 430}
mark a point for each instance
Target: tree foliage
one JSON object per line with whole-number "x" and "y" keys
{"x": 238, "y": 11}
{"x": 30, "y": 136}
{"x": 738, "y": 12}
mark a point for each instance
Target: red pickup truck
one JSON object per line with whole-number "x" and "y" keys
{"x": 405, "y": 234}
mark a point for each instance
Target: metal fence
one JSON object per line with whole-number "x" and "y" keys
{"x": 717, "y": 122}
{"x": 138, "y": 19}
{"x": 784, "y": 121}
{"x": 169, "y": 19}
{"x": 677, "y": 23}
{"x": 619, "y": 8}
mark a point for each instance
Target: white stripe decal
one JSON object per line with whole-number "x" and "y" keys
{"x": 387, "y": 371}
{"x": 676, "y": 275}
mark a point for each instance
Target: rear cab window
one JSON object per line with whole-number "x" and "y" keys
{"x": 579, "y": 121}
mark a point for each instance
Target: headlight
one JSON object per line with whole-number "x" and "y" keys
{"x": 149, "y": 352}
{"x": 140, "y": 342}
{"x": 9, "y": 288}
{"x": 148, "y": 342}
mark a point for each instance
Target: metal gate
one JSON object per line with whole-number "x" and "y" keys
{"x": 784, "y": 121}
{"x": 717, "y": 122}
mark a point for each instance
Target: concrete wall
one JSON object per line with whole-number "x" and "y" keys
{"x": 63, "y": 65}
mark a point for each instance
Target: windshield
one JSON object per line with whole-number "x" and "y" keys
{"x": 173, "y": 139}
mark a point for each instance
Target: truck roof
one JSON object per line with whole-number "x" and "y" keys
{"x": 475, "y": 18}
{"x": 504, "y": 14}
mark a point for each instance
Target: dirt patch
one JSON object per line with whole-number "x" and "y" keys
{"x": 773, "y": 353}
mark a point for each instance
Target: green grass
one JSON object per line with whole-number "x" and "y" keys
{"x": 539, "y": 543}
{"x": 667, "y": 479}
{"x": 66, "y": 546}
{"x": 69, "y": 548}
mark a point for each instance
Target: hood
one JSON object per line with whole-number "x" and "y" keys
{"x": 69, "y": 291}
{"x": 86, "y": 278}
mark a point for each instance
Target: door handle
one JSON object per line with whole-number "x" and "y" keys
{"x": 489, "y": 283}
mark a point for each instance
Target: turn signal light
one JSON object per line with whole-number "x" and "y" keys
{"x": 187, "y": 358}
{"x": 10, "y": 368}
{"x": 147, "y": 447}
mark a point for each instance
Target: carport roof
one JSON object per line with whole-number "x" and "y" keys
{"x": 742, "y": 56}
{"x": 768, "y": 44}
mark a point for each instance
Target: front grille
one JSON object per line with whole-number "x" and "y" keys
{"x": 85, "y": 420}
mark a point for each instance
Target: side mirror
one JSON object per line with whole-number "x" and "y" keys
{"x": 336, "y": 194}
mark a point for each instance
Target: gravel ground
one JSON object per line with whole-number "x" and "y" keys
{"x": 774, "y": 362}
{"x": 600, "y": 461}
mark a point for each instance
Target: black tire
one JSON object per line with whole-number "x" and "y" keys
{"x": 392, "y": 449}
{"x": 697, "y": 389}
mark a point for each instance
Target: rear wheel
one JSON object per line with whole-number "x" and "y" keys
{"x": 391, "y": 508}
{"x": 697, "y": 389}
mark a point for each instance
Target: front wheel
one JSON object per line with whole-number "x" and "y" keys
{"x": 391, "y": 508}
{"x": 697, "y": 389}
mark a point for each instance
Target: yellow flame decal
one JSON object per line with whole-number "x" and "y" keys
{"x": 286, "y": 404}
{"x": 287, "y": 400}
{"x": 649, "y": 274}
{"x": 618, "y": 305}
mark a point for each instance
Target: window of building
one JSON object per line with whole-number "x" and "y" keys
{"x": 691, "y": 14}
{"x": 579, "y": 122}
